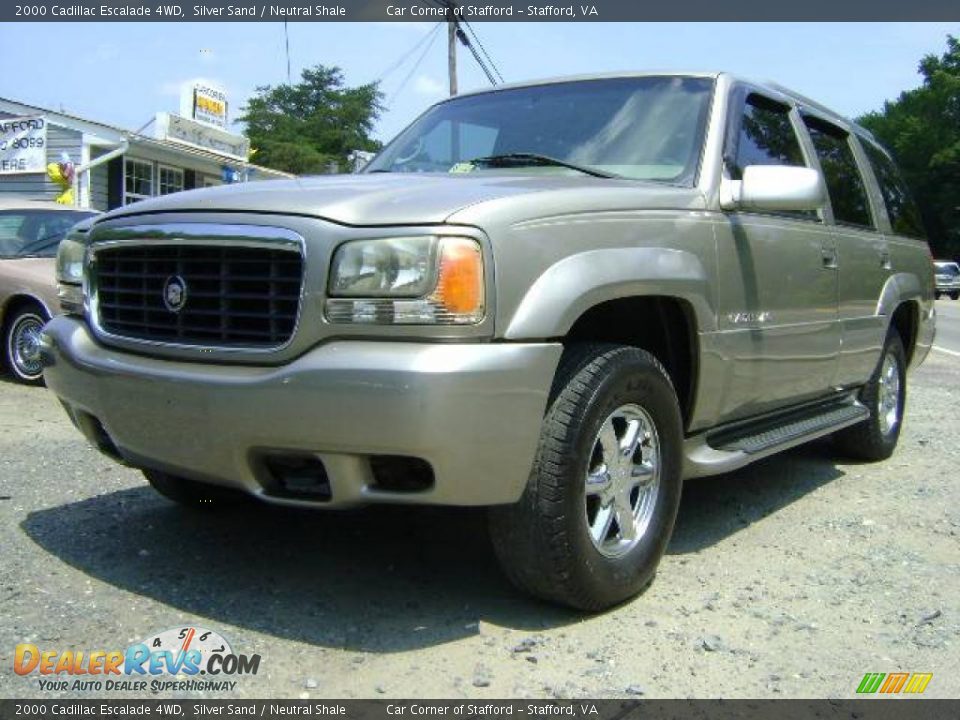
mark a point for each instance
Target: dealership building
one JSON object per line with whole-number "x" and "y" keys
{"x": 114, "y": 166}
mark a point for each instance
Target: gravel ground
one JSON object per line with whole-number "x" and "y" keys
{"x": 791, "y": 578}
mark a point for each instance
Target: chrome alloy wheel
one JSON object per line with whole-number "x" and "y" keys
{"x": 623, "y": 479}
{"x": 888, "y": 395}
{"x": 24, "y": 349}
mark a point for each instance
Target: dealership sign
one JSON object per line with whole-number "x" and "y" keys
{"x": 203, "y": 137}
{"x": 203, "y": 102}
{"x": 23, "y": 145}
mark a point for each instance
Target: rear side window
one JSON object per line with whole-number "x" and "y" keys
{"x": 848, "y": 193}
{"x": 766, "y": 136}
{"x": 901, "y": 209}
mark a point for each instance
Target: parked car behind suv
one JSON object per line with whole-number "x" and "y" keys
{"x": 557, "y": 299}
{"x": 947, "y": 279}
{"x": 30, "y": 231}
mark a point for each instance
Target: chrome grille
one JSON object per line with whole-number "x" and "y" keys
{"x": 233, "y": 295}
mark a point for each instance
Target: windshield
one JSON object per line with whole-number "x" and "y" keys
{"x": 25, "y": 233}
{"x": 645, "y": 128}
{"x": 949, "y": 269}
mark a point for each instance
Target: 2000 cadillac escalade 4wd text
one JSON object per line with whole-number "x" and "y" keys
{"x": 558, "y": 300}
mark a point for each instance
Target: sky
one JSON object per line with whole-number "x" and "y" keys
{"x": 123, "y": 73}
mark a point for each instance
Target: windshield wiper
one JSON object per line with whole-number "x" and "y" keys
{"x": 527, "y": 159}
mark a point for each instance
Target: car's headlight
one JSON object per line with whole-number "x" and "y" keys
{"x": 422, "y": 280}
{"x": 70, "y": 255}
{"x": 70, "y": 261}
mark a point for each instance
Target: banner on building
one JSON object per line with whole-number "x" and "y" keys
{"x": 23, "y": 145}
{"x": 202, "y": 137}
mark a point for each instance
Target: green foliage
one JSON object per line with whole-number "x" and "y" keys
{"x": 922, "y": 130}
{"x": 309, "y": 126}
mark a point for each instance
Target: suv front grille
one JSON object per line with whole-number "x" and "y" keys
{"x": 222, "y": 295}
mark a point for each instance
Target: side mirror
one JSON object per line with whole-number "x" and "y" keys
{"x": 773, "y": 188}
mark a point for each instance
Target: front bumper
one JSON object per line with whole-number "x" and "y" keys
{"x": 472, "y": 411}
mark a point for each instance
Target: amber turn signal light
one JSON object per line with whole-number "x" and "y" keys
{"x": 460, "y": 279}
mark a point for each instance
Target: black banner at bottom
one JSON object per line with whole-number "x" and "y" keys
{"x": 878, "y": 708}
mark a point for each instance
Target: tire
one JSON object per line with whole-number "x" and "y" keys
{"x": 955, "y": 296}
{"x": 936, "y": 295}
{"x": 876, "y": 438}
{"x": 21, "y": 344}
{"x": 190, "y": 493}
{"x": 564, "y": 545}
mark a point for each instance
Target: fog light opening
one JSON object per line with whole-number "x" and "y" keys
{"x": 397, "y": 473}
{"x": 298, "y": 476}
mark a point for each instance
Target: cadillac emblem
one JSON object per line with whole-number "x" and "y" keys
{"x": 175, "y": 293}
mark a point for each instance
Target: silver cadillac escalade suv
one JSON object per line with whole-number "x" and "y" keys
{"x": 557, "y": 299}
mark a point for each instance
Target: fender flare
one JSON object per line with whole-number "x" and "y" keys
{"x": 899, "y": 288}
{"x": 579, "y": 282}
{"x": 18, "y": 297}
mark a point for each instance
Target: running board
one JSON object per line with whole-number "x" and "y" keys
{"x": 725, "y": 450}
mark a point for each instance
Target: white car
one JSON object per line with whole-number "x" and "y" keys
{"x": 947, "y": 278}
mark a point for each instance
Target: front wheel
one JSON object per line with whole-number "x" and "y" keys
{"x": 955, "y": 296}
{"x": 601, "y": 501}
{"x": 22, "y": 343}
{"x": 885, "y": 395}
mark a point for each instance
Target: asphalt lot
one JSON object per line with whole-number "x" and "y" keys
{"x": 791, "y": 578}
{"x": 948, "y": 325}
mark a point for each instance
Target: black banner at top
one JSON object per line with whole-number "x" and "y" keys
{"x": 478, "y": 11}
{"x": 187, "y": 709}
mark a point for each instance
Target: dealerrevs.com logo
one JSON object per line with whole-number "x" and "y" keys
{"x": 894, "y": 683}
{"x": 181, "y": 659}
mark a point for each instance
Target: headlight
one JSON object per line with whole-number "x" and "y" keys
{"x": 70, "y": 261}
{"x": 422, "y": 280}
{"x": 70, "y": 274}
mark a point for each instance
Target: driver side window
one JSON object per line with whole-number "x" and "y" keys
{"x": 766, "y": 136}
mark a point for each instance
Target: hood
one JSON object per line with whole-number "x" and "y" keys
{"x": 394, "y": 198}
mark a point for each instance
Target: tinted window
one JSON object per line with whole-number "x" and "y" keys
{"x": 766, "y": 137}
{"x": 35, "y": 232}
{"x": 646, "y": 128}
{"x": 902, "y": 211}
{"x": 848, "y": 194}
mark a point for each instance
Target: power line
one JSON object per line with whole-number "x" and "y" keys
{"x": 462, "y": 36}
{"x": 403, "y": 58}
{"x": 476, "y": 39}
{"x": 286, "y": 40}
{"x": 433, "y": 36}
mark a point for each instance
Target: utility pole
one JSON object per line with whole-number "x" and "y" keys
{"x": 452, "y": 46}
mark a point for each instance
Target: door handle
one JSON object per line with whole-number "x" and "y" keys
{"x": 828, "y": 255}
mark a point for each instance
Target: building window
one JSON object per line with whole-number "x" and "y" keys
{"x": 137, "y": 180}
{"x": 170, "y": 180}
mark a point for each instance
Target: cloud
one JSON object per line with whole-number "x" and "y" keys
{"x": 101, "y": 53}
{"x": 426, "y": 85}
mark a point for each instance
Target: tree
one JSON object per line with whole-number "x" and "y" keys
{"x": 308, "y": 126}
{"x": 922, "y": 130}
